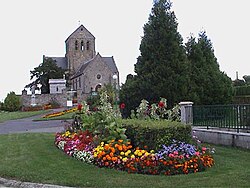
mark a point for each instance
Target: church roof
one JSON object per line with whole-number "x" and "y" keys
{"x": 107, "y": 60}
{"x": 111, "y": 63}
{"x": 79, "y": 29}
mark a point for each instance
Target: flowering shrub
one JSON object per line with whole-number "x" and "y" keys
{"x": 156, "y": 111}
{"x": 104, "y": 123}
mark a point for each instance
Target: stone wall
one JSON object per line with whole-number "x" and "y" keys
{"x": 43, "y": 99}
{"x": 226, "y": 138}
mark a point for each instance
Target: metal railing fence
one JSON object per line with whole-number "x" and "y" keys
{"x": 222, "y": 116}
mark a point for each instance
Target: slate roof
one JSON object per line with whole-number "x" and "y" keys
{"x": 108, "y": 60}
{"x": 111, "y": 63}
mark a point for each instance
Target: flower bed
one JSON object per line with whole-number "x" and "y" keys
{"x": 177, "y": 158}
{"x": 99, "y": 138}
{"x": 60, "y": 113}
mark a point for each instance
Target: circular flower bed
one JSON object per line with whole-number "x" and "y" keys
{"x": 177, "y": 158}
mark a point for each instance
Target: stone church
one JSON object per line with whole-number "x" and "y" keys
{"x": 88, "y": 71}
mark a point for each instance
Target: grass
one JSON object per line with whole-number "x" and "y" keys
{"x": 5, "y": 116}
{"x": 34, "y": 158}
{"x": 62, "y": 117}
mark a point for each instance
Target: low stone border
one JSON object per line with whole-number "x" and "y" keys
{"x": 226, "y": 138}
{"x": 14, "y": 183}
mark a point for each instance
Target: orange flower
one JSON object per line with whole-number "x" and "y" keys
{"x": 106, "y": 147}
{"x": 111, "y": 154}
{"x": 120, "y": 141}
{"x": 120, "y": 148}
{"x": 124, "y": 147}
{"x": 108, "y": 157}
{"x": 112, "y": 150}
{"x": 114, "y": 158}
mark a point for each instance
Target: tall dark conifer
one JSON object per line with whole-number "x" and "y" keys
{"x": 208, "y": 84}
{"x": 162, "y": 67}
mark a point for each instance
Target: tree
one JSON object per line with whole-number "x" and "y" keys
{"x": 130, "y": 95}
{"x": 12, "y": 102}
{"x": 162, "y": 68}
{"x": 45, "y": 71}
{"x": 247, "y": 79}
{"x": 208, "y": 85}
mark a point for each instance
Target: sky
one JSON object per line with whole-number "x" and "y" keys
{"x": 31, "y": 29}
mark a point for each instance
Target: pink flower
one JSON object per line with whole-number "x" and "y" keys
{"x": 197, "y": 153}
{"x": 175, "y": 152}
{"x": 171, "y": 155}
{"x": 204, "y": 149}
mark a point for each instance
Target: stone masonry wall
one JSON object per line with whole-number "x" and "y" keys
{"x": 42, "y": 99}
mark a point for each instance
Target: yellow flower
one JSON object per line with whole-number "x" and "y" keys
{"x": 122, "y": 153}
{"x": 132, "y": 156}
{"x": 124, "y": 159}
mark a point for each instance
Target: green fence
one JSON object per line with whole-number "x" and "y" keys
{"x": 222, "y": 116}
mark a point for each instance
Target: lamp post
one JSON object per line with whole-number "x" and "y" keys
{"x": 115, "y": 77}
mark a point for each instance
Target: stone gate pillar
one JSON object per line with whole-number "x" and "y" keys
{"x": 186, "y": 112}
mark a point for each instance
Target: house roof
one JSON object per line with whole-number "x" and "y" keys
{"x": 79, "y": 29}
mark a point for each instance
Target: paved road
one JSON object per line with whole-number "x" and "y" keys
{"x": 28, "y": 125}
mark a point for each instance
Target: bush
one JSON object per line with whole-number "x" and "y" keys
{"x": 12, "y": 102}
{"x": 155, "y": 133}
{"x": 1, "y": 106}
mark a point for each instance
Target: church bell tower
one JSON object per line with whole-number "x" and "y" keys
{"x": 80, "y": 48}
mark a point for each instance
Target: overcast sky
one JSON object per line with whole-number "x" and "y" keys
{"x": 31, "y": 29}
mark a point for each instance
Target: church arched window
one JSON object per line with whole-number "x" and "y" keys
{"x": 76, "y": 45}
{"x": 88, "y": 45}
{"x": 82, "y": 46}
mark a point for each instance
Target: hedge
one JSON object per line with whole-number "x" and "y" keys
{"x": 155, "y": 133}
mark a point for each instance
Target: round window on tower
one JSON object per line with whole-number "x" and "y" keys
{"x": 98, "y": 76}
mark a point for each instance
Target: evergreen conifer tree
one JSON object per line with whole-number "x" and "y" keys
{"x": 208, "y": 84}
{"x": 162, "y": 68}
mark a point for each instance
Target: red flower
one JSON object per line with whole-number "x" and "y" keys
{"x": 79, "y": 107}
{"x": 122, "y": 105}
{"x": 161, "y": 104}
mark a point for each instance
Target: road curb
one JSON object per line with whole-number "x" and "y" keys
{"x": 19, "y": 184}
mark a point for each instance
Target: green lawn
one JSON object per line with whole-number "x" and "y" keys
{"x": 5, "y": 116}
{"x": 34, "y": 158}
